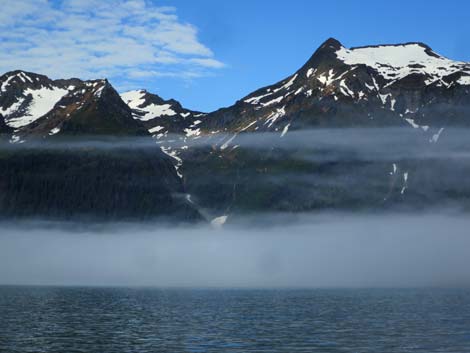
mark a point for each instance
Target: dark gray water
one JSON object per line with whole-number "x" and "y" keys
{"x": 48, "y": 319}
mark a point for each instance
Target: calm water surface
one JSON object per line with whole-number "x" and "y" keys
{"x": 66, "y": 320}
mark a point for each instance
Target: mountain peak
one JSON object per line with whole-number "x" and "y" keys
{"x": 391, "y": 61}
{"x": 20, "y": 78}
{"x": 20, "y": 73}
{"x": 325, "y": 53}
{"x": 331, "y": 43}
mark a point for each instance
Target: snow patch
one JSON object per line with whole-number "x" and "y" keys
{"x": 271, "y": 119}
{"x": 436, "y": 136}
{"x": 7, "y": 83}
{"x": 284, "y": 131}
{"x": 412, "y": 123}
{"x": 311, "y": 72}
{"x": 288, "y": 84}
{"x": 218, "y": 222}
{"x": 156, "y": 129}
{"x": 345, "y": 89}
{"x": 255, "y": 100}
{"x": 54, "y": 131}
{"x": 274, "y": 101}
{"x": 405, "y": 183}
{"x": 43, "y": 100}
{"x": 153, "y": 111}
{"x": 327, "y": 78}
{"x": 394, "y": 62}
{"x": 464, "y": 80}
{"x": 135, "y": 100}
{"x": 12, "y": 109}
{"x": 227, "y": 143}
{"x": 192, "y": 133}
{"x": 248, "y": 126}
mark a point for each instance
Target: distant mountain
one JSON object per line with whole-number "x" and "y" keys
{"x": 166, "y": 120}
{"x": 160, "y": 117}
{"x": 385, "y": 85}
{"x": 51, "y": 175}
{"x": 34, "y": 105}
{"x": 405, "y": 86}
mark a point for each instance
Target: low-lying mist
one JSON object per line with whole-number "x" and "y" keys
{"x": 327, "y": 250}
{"x": 326, "y": 144}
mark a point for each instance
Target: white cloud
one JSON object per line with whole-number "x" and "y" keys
{"x": 208, "y": 62}
{"x": 88, "y": 38}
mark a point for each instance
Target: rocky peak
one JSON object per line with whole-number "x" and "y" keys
{"x": 323, "y": 57}
{"x": 14, "y": 80}
{"x": 149, "y": 107}
{"x": 34, "y": 105}
{"x": 383, "y": 85}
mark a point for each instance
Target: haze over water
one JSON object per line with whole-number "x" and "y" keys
{"x": 323, "y": 250}
{"x": 318, "y": 282}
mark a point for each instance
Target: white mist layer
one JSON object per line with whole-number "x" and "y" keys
{"x": 316, "y": 251}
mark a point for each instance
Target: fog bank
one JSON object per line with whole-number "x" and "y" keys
{"x": 329, "y": 250}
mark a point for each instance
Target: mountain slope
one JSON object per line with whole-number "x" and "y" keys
{"x": 166, "y": 120}
{"x": 91, "y": 183}
{"x": 161, "y": 117}
{"x": 389, "y": 85}
{"x": 83, "y": 156}
{"x": 405, "y": 86}
{"x": 384, "y": 90}
{"x": 34, "y": 105}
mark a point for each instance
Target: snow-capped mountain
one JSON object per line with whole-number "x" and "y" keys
{"x": 385, "y": 85}
{"x": 161, "y": 117}
{"x": 34, "y": 105}
{"x": 166, "y": 120}
{"x": 26, "y": 97}
{"x": 405, "y": 85}
{"x": 80, "y": 181}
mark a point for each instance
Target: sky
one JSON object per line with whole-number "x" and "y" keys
{"x": 209, "y": 53}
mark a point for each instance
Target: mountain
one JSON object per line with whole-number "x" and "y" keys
{"x": 160, "y": 117}
{"x": 91, "y": 181}
{"x": 382, "y": 85}
{"x": 385, "y": 85}
{"x": 166, "y": 120}
{"x": 34, "y": 105}
{"x": 77, "y": 152}
{"x": 403, "y": 87}
{"x": 406, "y": 86}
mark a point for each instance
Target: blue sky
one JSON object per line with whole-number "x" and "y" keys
{"x": 209, "y": 53}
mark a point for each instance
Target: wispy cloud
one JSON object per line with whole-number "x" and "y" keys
{"x": 125, "y": 40}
